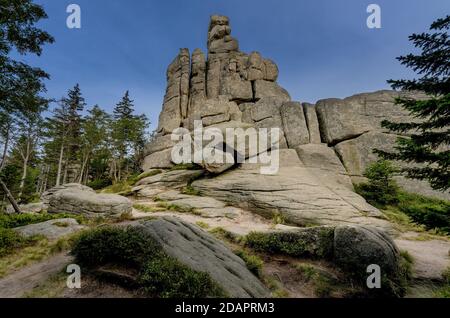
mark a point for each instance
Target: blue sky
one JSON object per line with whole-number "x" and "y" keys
{"x": 323, "y": 47}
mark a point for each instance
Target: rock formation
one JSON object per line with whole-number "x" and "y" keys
{"x": 325, "y": 148}
{"x": 78, "y": 199}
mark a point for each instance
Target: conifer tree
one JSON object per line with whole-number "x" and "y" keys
{"x": 429, "y": 138}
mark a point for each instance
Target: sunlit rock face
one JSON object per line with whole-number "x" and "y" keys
{"x": 228, "y": 88}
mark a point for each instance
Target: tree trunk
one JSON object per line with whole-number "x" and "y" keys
{"x": 58, "y": 175}
{"x": 10, "y": 197}
{"x": 24, "y": 176}
{"x": 66, "y": 167}
{"x": 26, "y": 157}
{"x": 83, "y": 167}
{"x": 5, "y": 148}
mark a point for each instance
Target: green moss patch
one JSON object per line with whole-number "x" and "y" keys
{"x": 311, "y": 242}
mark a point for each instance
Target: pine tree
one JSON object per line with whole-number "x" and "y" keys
{"x": 75, "y": 103}
{"x": 125, "y": 108}
{"x": 128, "y": 135}
{"x": 427, "y": 147}
{"x": 95, "y": 130}
{"x": 18, "y": 33}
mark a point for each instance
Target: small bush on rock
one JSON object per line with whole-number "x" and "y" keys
{"x": 312, "y": 242}
{"x": 381, "y": 189}
{"x": 159, "y": 275}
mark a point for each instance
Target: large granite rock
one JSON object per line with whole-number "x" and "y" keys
{"x": 344, "y": 119}
{"x": 312, "y": 123}
{"x": 355, "y": 248}
{"x": 171, "y": 179}
{"x": 201, "y": 252}
{"x": 52, "y": 229}
{"x": 45, "y": 197}
{"x": 294, "y": 192}
{"x": 210, "y": 89}
{"x": 89, "y": 203}
{"x": 177, "y": 93}
{"x": 353, "y": 126}
{"x": 294, "y": 124}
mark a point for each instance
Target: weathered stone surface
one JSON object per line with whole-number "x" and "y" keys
{"x": 355, "y": 248}
{"x": 198, "y": 79}
{"x": 214, "y": 111}
{"x": 160, "y": 143}
{"x": 294, "y": 124}
{"x": 343, "y": 119}
{"x": 45, "y": 197}
{"x": 88, "y": 203}
{"x": 323, "y": 163}
{"x": 177, "y": 93}
{"x": 170, "y": 179}
{"x": 202, "y": 252}
{"x": 271, "y": 68}
{"x": 312, "y": 123}
{"x": 219, "y": 36}
{"x": 158, "y": 160}
{"x": 357, "y": 154}
{"x": 28, "y": 208}
{"x": 53, "y": 229}
{"x": 270, "y": 89}
{"x": 294, "y": 192}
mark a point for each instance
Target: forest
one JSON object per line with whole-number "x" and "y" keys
{"x": 48, "y": 141}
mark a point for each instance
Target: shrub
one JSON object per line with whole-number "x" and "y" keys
{"x": 165, "y": 277}
{"x": 433, "y": 213}
{"x": 313, "y": 242}
{"x": 381, "y": 189}
{"x": 99, "y": 184}
{"x": 253, "y": 262}
{"x": 159, "y": 275}
{"x": 10, "y": 240}
{"x": 113, "y": 244}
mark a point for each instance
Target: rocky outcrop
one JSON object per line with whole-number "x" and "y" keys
{"x": 330, "y": 143}
{"x": 177, "y": 93}
{"x": 53, "y": 229}
{"x": 201, "y": 252}
{"x": 45, "y": 197}
{"x": 355, "y": 248}
{"x": 211, "y": 89}
{"x": 89, "y": 203}
{"x": 353, "y": 127}
{"x": 295, "y": 192}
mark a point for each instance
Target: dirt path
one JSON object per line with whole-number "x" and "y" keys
{"x": 431, "y": 257}
{"x": 18, "y": 283}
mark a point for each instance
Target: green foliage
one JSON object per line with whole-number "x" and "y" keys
{"x": 323, "y": 285}
{"x": 381, "y": 189}
{"x": 9, "y": 221}
{"x": 203, "y": 225}
{"x": 189, "y": 190}
{"x": 165, "y": 277}
{"x": 147, "y": 174}
{"x": 159, "y": 275}
{"x": 315, "y": 243}
{"x": 432, "y": 213}
{"x": 11, "y": 240}
{"x": 99, "y": 184}
{"x": 430, "y": 137}
{"x": 147, "y": 208}
{"x": 223, "y": 234}
{"x": 402, "y": 207}
{"x": 253, "y": 262}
